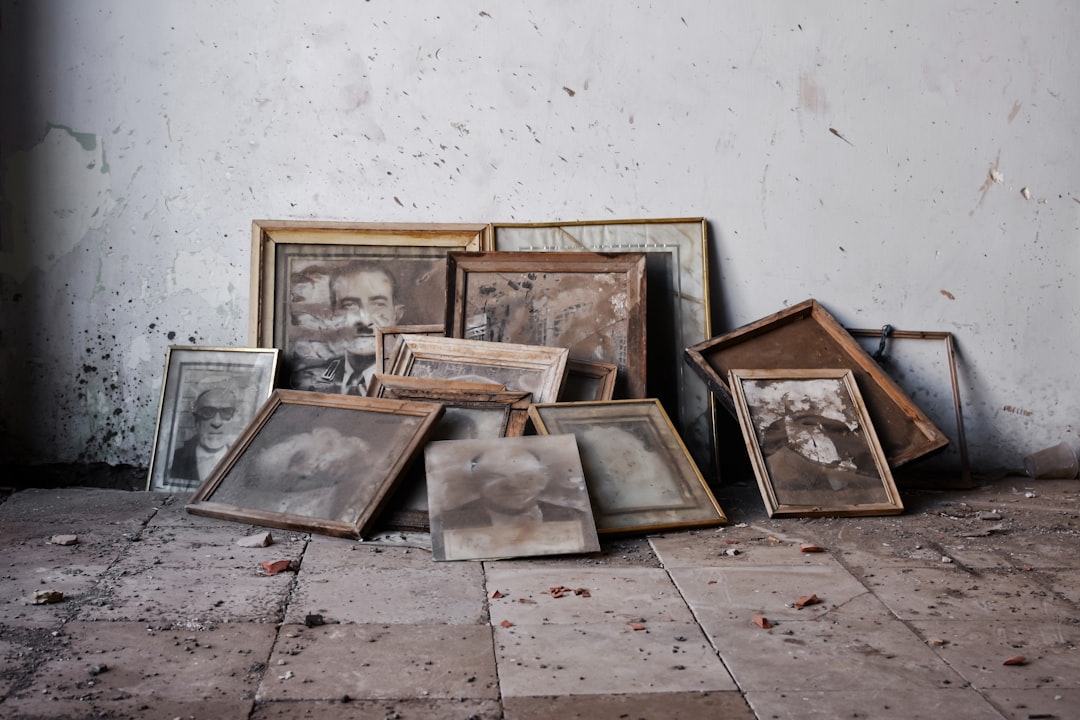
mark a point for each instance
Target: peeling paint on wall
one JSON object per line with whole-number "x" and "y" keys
{"x": 58, "y": 191}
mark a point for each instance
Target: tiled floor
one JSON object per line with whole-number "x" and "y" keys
{"x": 165, "y": 616}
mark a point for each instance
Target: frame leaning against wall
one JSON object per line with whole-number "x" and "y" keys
{"x": 785, "y": 339}
{"x": 317, "y": 462}
{"x": 677, "y": 300}
{"x": 293, "y": 261}
{"x": 884, "y": 356}
{"x": 247, "y": 376}
{"x": 812, "y": 445}
{"x": 593, "y": 304}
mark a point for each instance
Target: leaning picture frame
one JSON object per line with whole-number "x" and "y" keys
{"x": 593, "y": 304}
{"x": 588, "y": 381}
{"x": 387, "y": 340}
{"x": 786, "y": 340}
{"x": 471, "y": 411}
{"x": 812, "y": 443}
{"x": 640, "y": 475}
{"x": 532, "y": 368}
{"x": 678, "y": 307}
{"x": 917, "y": 368}
{"x": 208, "y": 396}
{"x": 317, "y": 462}
{"x": 319, "y": 288}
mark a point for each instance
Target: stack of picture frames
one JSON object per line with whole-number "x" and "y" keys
{"x": 823, "y": 423}
{"x": 505, "y": 390}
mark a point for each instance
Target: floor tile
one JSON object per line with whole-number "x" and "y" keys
{"x": 977, "y": 650}
{"x": 195, "y": 597}
{"x": 348, "y": 582}
{"x": 951, "y": 593}
{"x": 1023, "y": 704}
{"x": 72, "y": 506}
{"x": 926, "y": 704}
{"x": 615, "y": 594}
{"x": 119, "y": 669}
{"x": 739, "y": 593}
{"x": 599, "y": 659}
{"x": 381, "y": 661}
{"x": 735, "y": 548}
{"x": 210, "y": 548}
{"x": 391, "y": 709}
{"x": 639, "y": 706}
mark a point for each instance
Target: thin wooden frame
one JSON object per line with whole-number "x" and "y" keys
{"x": 508, "y": 497}
{"x": 591, "y": 303}
{"x": 588, "y": 381}
{"x": 535, "y": 369}
{"x": 471, "y": 411}
{"x": 677, "y": 316}
{"x": 812, "y": 443}
{"x": 387, "y": 340}
{"x": 640, "y": 475}
{"x": 327, "y": 338}
{"x": 886, "y": 336}
{"x": 317, "y": 462}
{"x": 199, "y": 388}
{"x": 807, "y": 333}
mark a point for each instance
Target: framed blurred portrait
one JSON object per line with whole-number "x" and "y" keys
{"x": 471, "y": 411}
{"x": 208, "y": 396}
{"x": 317, "y": 462}
{"x": 319, "y": 290}
{"x": 640, "y": 475}
{"x": 593, "y": 304}
{"x": 531, "y": 368}
{"x": 812, "y": 445}
{"x": 677, "y": 304}
{"x": 508, "y": 497}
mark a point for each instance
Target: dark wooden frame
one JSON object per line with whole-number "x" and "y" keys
{"x": 588, "y": 381}
{"x": 286, "y": 425}
{"x": 508, "y": 283}
{"x": 807, "y": 335}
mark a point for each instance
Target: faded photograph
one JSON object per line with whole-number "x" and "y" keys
{"x": 332, "y": 306}
{"x": 217, "y": 418}
{"x": 512, "y": 378}
{"x": 814, "y": 448}
{"x": 317, "y": 462}
{"x": 508, "y": 497}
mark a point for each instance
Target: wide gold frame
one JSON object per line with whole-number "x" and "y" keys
{"x": 854, "y": 410}
{"x": 279, "y": 245}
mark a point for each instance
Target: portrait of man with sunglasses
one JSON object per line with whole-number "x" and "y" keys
{"x": 216, "y": 427}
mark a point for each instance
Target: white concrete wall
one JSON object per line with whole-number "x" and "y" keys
{"x": 141, "y": 138}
